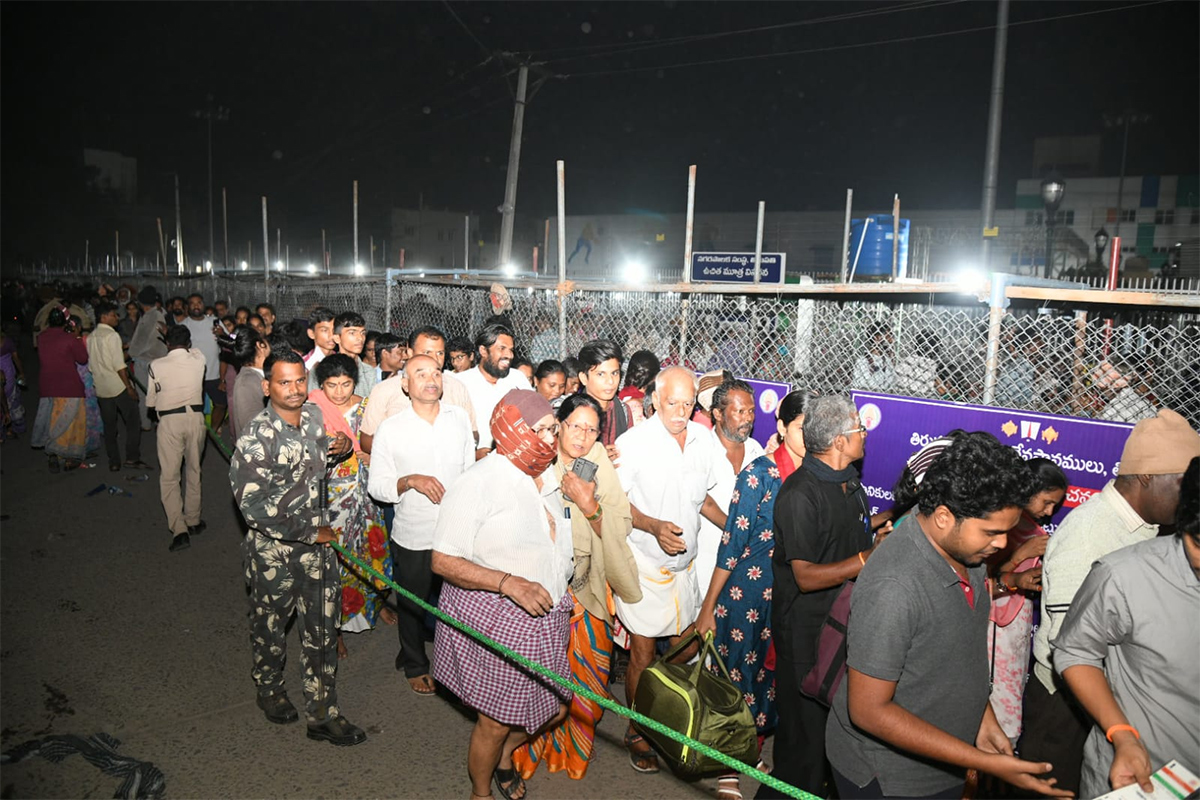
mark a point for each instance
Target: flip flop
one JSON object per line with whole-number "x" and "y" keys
{"x": 422, "y": 685}
{"x": 646, "y": 761}
{"x": 508, "y": 783}
{"x": 728, "y": 788}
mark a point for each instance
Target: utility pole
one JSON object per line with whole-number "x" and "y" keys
{"x": 514, "y": 165}
{"x": 178, "y": 230}
{"x": 356, "y": 227}
{"x": 221, "y": 114}
{"x": 225, "y": 225}
{"x": 991, "y": 164}
{"x": 1126, "y": 119}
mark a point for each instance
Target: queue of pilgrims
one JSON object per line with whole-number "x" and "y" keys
{"x": 587, "y": 512}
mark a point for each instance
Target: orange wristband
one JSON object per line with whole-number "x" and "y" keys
{"x": 862, "y": 560}
{"x": 1108, "y": 734}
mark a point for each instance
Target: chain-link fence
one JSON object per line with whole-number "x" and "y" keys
{"x": 1116, "y": 363}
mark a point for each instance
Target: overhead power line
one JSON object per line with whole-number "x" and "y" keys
{"x": 464, "y": 26}
{"x": 856, "y": 45}
{"x": 620, "y": 48}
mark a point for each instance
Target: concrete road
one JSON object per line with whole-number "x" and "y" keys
{"x": 104, "y": 630}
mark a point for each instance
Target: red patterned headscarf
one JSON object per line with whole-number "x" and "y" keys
{"x": 512, "y": 429}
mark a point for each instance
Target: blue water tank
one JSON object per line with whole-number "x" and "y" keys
{"x": 874, "y": 236}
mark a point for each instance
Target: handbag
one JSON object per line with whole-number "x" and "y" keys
{"x": 694, "y": 701}
{"x": 822, "y": 681}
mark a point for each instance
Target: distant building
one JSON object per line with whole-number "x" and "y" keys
{"x": 112, "y": 173}
{"x": 435, "y": 239}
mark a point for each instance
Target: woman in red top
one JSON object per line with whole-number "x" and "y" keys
{"x": 61, "y": 423}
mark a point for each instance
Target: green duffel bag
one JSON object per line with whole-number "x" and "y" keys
{"x": 693, "y": 701}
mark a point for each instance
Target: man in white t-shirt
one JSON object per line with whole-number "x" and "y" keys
{"x": 320, "y": 330}
{"x": 416, "y": 455}
{"x": 204, "y": 339}
{"x": 669, "y": 464}
{"x": 491, "y": 379}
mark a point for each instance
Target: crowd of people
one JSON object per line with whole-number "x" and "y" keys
{"x": 588, "y": 513}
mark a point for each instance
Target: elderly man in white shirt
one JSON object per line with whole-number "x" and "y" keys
{"x": 416, "y": 455}
{"x": 669, "y": 464}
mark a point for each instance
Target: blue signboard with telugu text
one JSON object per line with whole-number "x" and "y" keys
{"x": 737, "y": 267}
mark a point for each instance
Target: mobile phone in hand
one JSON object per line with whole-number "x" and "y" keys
{"x": 586, "y": 470}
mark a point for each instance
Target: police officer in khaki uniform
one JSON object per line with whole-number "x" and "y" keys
{"x": 176, "y": 394}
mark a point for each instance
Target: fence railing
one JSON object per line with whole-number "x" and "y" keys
{"x": 1118, "y": 356}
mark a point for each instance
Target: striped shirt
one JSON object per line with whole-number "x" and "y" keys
{"x": 1106, "y": 522}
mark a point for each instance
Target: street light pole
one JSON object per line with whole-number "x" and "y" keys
{"x": 991, "y": 165}
{"x": 514, "y": 164}
{"x": 1053, "y": 188}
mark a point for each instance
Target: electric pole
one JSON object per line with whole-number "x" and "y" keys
{"x": 508, "y": 210}
{"x": 221, "y": 114}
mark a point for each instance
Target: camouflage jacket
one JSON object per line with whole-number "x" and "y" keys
{"x": 276, "y": 471}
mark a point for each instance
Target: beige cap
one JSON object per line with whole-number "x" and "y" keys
{"x": 1162, "y": 445}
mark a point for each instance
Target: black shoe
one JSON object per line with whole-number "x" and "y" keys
{"x": 52, "y": 462}
{"x": 199, "y": 527}
{"x": 180, "y": 542}
{"x": 278, "y": 708}
{"x": 338, "y": 731}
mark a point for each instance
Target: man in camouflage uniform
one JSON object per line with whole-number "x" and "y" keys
{"x": 277, "y": 475}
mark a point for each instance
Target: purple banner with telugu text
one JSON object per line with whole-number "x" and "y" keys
{"x": 1088, "y": 450}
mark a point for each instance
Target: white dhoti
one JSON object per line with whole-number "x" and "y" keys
{"x": 670, "y": 600}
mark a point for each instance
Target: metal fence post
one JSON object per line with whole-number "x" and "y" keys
{"x": 388, "y": 280}
{"x": 687, "y": 262}
{"x": 998, "y": 303}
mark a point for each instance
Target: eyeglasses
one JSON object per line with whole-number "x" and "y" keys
{"x": 586, "y": 430}
{"x": 852, "y": 431}
{"x": 551, "y": 430}
{"x": 459, "y": 357}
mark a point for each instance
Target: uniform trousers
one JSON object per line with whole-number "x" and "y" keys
{"x": 286, "y": 577}
{"x": 180, "y": 444}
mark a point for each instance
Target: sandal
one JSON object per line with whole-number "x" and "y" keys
{"x": 422, "y": 685}
{"x": 643, "y": 761}
{"x": 139, "y": 464}
{"x": 728, "y": 788}
{"x": 509, "y": 783}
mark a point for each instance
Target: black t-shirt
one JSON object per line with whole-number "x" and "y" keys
{"x": 818, "y": 522}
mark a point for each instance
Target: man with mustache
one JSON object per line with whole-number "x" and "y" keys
{"x": 492, "y": 378}
{"x": 668, "y": 467}
{"x": 913, "y": 715}
{"x": 416, "y": 455}
{"x": 277, "y": 473}
{"x": 732, "y": 410}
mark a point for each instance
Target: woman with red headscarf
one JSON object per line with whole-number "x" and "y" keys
{"x": 503, "y": 544}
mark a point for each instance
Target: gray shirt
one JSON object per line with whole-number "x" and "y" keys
{"x": 1135, "y": 617}
{"x": 246, "y": 398}
{"x": 146, "y": 344}
{"x": 911, "y": 623}
{"x": 204, "y": 340}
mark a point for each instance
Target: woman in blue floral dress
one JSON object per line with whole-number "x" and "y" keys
{"x": 737, "y": 606}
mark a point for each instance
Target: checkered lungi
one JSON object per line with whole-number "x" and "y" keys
{"x": 490, "y": 683}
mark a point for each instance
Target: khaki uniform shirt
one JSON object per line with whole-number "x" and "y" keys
{"x": 176, "y": 380}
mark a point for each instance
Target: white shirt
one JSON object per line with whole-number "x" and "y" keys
{"x": 205, "y": 341}
{"x": 485, "y": 395}
{"x": 710, "y": 535}
{"x": 667, "y": 483}
{"x": 493, "y": 516}
{"x": 1128, "y": 406}
{"x": 406, "y": 444}
{"x": 1103, "y": 524}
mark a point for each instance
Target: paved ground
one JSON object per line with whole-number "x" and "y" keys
{"x": 104, "y": 630}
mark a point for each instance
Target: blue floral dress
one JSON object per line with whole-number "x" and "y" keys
{"x": 743, "y": 610}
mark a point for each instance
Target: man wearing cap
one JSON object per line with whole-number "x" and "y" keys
{"x": 175, "y": 391}
{"x": 1128, "y": 510}
{"x": 147, "y": 344}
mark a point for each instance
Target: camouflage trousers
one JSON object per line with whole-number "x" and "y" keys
{"x": 284, "y": 577}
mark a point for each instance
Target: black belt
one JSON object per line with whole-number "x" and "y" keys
{"x": 181, "y": 409}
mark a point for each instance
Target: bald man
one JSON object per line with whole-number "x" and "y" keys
{"x": 668, "y": 466}
{"x": 416, "y": 455}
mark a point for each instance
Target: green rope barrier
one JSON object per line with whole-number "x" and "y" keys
{"x": 573, "y": 686}
{"x": 604, "y": 702}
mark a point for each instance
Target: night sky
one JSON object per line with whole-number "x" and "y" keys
{"x": 883, "y": 97}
